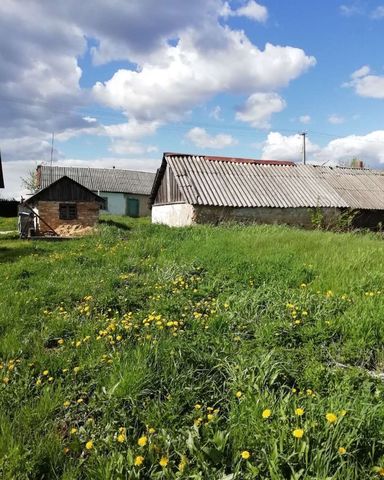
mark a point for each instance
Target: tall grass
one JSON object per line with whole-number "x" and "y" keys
{"x": 204, "y": 353}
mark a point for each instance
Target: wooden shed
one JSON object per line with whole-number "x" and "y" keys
{"x": 63, "y": 203}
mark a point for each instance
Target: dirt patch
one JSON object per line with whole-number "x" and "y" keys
{"x": 73, "y": 230}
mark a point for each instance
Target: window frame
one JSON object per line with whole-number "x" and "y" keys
{"x": 68, "y": 211}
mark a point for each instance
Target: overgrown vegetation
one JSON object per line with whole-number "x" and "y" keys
{"x": 203, "y": 353}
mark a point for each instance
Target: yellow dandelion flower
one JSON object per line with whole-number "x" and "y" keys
{"x": 60, "y": 341}
{"x": 121, "y": 438}
{"x": 238, "y": 394}
{"x": 76, "y": 369}
{"x": 197, "y": 406}
{"x": 331, "y": 417}
{"x": 46, "y": 372}
{"x": 299, "y": 411}
{"x": 89, "y": 445}
{"x": 138, "y": 460}
{"x": 342, "y": 450}
{"x": 66, "y": 403}
{"x": 210, "y": 417}
{"x": 298, "y": 433}
{"x": 80, "y": 400}
{"x": 38, "y": 381}
{"x": 151, "y": 431}
{"x": 142, "y": 441}
{"x": 6, "y": 380}
{"x": 163, "y": 461}
{"x": 245, "y": 454}
{"x": 266, "y": 413}
{"x": 73, "y": 430}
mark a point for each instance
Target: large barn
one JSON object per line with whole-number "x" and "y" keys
{"x": 201, "y": 189}
{"x": 125, "y": 192}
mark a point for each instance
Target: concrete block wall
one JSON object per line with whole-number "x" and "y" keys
{"x": 87, "y": 215}
{"x": 300, "y": 217}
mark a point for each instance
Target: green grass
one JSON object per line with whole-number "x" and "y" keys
{"x": 185, "y": 337}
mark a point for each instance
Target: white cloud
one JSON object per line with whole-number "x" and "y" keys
{"x": 366, "y": 85}
{"x": 335, "y": 119}
{"x": 251, "y": 9}
{"x": 281, "y": 147}
{"x": 201, "y": 138}
{"x": 351, "y": 10}
{"x": 378, "y": 13}
{"x": 305, "y": 119}
{"x": 191, "y": 72}
{"x": 368, "y": 148}
{"x": 216, "y": 113}
{"x": 361, "y": 72}
{"x": 259, "y": 108}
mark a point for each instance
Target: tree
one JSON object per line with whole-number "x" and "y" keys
{"x": 30, "y": 182}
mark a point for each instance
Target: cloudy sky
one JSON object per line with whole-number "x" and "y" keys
{"x": 121, "y": 81}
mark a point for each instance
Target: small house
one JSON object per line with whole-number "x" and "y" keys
{"x": 202, "y": 189}
{"x": 125, "y": 192}
{"x": 62, "y": 204}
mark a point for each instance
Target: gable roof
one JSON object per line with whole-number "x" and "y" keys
{"x": 100, "y": 179}
{"x": 234, "y": 183}
{"x": 64, "y": 189}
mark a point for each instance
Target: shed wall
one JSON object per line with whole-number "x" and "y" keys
{"x": 174, "y": 215}
{"x": 87, "y": 215}
{"x": 290, "y": 216}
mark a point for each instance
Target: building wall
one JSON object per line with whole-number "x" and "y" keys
{"x": 117, "y": 203}
{"x": 301, "y": 217}
{"x": 179, "y": 215}
{"x": 174, "y": 215}
{"x": 87, "y": 215}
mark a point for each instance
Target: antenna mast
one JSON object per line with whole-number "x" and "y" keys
{"x": 303, "y": 134}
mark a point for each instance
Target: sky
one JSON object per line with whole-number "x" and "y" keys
{"x": 119, "y": 82}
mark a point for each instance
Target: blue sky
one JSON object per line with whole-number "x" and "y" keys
{"x": 121, "y": 82}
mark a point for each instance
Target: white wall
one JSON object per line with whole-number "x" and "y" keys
{"x": 174, "y": 215}
{"x": 117, "y": 203}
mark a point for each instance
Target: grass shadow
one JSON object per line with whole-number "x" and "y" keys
{"x": 114, "y": 223}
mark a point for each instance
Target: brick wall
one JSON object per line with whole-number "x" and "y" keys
{"x": 87, "y": 215}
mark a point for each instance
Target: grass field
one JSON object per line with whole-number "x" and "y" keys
{"x": 198, "y": 353}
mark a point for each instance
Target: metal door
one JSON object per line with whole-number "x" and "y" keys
{"x": 132, "y": 207}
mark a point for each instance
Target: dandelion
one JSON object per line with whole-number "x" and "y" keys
{"x": 5, "y": 380}
{"x": 238, "y": 394}
{"x": 303, "y": 285}
{"x": 45, "y": 373}
{"x": 210, "y": 417}
{"x": 76, "y": 369}
{"x": 142, "y": 441}
{"x": 80, "y": 400}
{"x": 266, "y": 413}
{"x": 342, "y": 450}
{"x": 331, "y": 417}
{"x": 245, "y": 454}
{"x": 138, "y": 460}
{"x": 299, "y": 412}
{"x": 151, "y": 431}
{"x": 183, "y": 463}
{"x": 163, "y": 461}
{"x": 89, "y": 445}
{"x": 197, "y": 406}
{"x": 298, "y": 433}
{"x": 60, "y": 341}
{"x": 66, "y": 403}
{"x": 121, "y": 438}
{"x": 73, "y": 430}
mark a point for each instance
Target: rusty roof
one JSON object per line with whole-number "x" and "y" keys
{"x": 100, "y": 179}
{"x": 234, "y": 183}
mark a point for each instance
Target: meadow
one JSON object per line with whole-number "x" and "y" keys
{"x": 219, "y": 353}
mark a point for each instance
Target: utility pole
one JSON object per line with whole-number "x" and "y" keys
{"x": 53, "y": 139}
{"x": 303, "y": 134}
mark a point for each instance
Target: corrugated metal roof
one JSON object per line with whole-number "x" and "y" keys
{"x": 203, "y": 181}
{"x": 101, "y": 179}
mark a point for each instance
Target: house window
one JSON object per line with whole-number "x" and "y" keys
{"x": 67, "y": 211}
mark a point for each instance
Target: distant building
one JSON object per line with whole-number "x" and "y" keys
{"x": 201, "y": 189}
{"x": 60, "y": 204}
{"x": 125, "y": 192}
